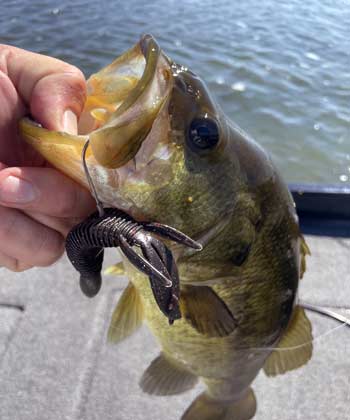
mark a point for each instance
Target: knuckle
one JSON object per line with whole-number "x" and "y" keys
{"x": 75, "y": 72}
{"x": 75, "y": 84}
{"x": 67, "y": 86}
{"x": 49, "y": 247}
{"x": 18, "y": 266}
{"x": 28, "y": 242}
{"x": 13, "y": 264}
{"x": 6, "y": 54}
{"x": 68, "y": 68}
{"x": 8, "y": 223}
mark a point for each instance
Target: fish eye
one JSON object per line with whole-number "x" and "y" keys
{"x": 203, "y": 134}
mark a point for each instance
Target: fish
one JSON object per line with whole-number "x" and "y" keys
{"x": 162, "y": 150}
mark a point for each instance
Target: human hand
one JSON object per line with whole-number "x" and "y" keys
{"x": 38, "y": 205}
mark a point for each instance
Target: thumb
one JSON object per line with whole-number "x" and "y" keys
{"x": 58, "y": 99}
{"x": 53, "y": 90}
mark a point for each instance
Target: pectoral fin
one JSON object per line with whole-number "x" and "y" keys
{"x": 115, "y": 270}
{"x": 206, "y": 312}
{"x": 294, "y": 349}
{"x": 164, "y": 376}
{"x": 127, "y": 316}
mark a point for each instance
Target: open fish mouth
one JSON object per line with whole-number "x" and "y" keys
{"x": 123, "y": 102}
{"x": 120, "y": 137}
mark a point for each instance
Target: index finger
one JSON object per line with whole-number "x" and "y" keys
{"x": 46, "y": 191}
{"x": 48, "y": 86}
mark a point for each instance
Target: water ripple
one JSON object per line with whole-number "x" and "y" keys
{"x": 280, "y": 70}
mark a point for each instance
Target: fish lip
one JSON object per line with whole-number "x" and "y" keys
{"x": 63, "y": 150}
{"x": 122, "y": 131}
{"x": 146, "y": 42}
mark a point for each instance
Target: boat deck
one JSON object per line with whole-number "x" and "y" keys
{"x": 56, "y": 364}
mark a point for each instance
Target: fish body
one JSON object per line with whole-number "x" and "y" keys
{"x": 162, "y": 150}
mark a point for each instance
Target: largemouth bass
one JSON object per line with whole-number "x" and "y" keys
{"x": 162, "y": 150}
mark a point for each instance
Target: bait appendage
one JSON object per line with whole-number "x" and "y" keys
{"x": 85, "y": 244}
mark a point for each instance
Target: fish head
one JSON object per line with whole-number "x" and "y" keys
{"x": 160, "y": 148}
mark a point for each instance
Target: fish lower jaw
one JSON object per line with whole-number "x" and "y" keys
{"x": 127, "y": 187}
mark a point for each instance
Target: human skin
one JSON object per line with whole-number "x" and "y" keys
{"x": 38, "y": 205}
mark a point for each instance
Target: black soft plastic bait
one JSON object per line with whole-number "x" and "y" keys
{"x": 85, "y": 244}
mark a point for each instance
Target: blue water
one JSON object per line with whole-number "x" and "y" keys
{"x": 281, "y": 70}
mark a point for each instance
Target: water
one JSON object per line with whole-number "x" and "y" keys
{"x": 279, "y": 69}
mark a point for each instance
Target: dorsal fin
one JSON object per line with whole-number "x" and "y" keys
{"x": 294, "y": 349}
{"x": 127, "y": 316}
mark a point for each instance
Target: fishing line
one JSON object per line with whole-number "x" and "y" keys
{"x": 307, "y": 343}
{"x": 324, "y": 311}
{"x": 345, "y": 322}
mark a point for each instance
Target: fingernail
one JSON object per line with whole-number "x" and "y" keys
{"x": 16, "y": 190}
{"x": 70, "y": 122}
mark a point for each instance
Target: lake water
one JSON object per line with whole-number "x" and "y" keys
{"x": 281, "y": 70}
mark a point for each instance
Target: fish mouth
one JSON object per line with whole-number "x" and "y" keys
{"x": 123, "y": 102}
